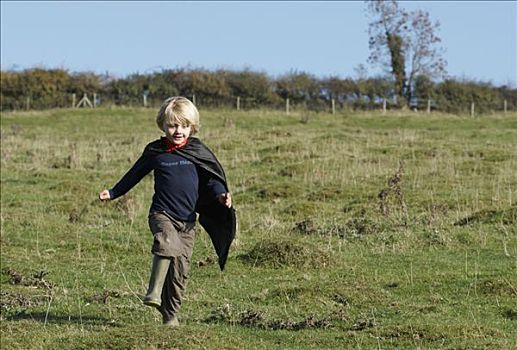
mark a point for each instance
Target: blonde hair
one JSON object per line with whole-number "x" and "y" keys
{"x": 178, "y": 110}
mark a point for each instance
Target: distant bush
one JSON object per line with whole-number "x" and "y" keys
{"x": 254, "y": 89}
{"x": 41, "y": 88}
{"x": 45, "y": 88}
{"x": 456, "y": 97}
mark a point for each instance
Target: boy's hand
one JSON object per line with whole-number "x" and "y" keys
{"x": 225, "y": 199}
{"x": 104, "y": 195}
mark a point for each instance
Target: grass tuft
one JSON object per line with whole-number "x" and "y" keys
{"x": 284, "y": 253}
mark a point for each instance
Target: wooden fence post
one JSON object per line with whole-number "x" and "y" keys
{"x": 238, "y": 103}
{"x": 94, "y": 100}
{"x": 333, "y": 106}
{"x": 472, "y": 109}
{"x": 384, "y": 105}
{"x": 73, "y": 100}
{"x": 428, "y": 105}
{"x": 286, "y": 106}
{"x": 505, "y": 106}
{"x": 84, "y": 101}
{"x": 144, "y": 96}
{"x": 194, "y": 98}
{"x": 28, "y": 103}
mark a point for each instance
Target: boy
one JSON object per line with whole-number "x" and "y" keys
{"x": 188, "y": 178}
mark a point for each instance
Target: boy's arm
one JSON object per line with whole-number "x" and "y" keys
{"x": 104, "y": 195}
{"x": 225, "y": 199}
{"x": 223, "y": 196}
{"x": 141, "y": 168}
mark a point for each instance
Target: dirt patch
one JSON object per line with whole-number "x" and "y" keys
{"x": 341, "y": 299}
{"x": 358, "y": 225}
{"x": 207, "y": 261}
{"x": 497, "y": 287}
{"x": 258, "y": 319}
{"x": 16, "y": 301}
{"x": 36, "y": 281}
{"x": 285, "y": 253}
{"x": 221, "y": 313}
{"x": 307, "y": 227}
{"x": 311, "y": 322}
{"x": 103, "y": 297}
{"x": 253, "y": 318}
{"x": 363, "y": 323}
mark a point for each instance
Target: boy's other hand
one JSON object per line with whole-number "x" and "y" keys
{"x": 104, "y": 195}
{"x": 225, "y": 199}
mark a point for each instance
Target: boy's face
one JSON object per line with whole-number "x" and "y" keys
{"x": 176, "y": 133}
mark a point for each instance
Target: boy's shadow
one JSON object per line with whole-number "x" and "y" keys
{"x": 63, "y": 319}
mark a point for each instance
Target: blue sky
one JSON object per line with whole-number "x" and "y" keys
{"x": 321, "y": 38}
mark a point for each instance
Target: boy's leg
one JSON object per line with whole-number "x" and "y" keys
{"x": 166, "y": 245}
{"x": 176, "y": 280}
{"x": 158, "y": 275}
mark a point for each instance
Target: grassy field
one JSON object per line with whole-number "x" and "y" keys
{"x": 356, "y": 231}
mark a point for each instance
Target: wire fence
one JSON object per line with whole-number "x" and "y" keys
{"x": 328, "y": 105}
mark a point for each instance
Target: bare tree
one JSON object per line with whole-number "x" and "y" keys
{"x": 406, "y": 42}
{"x": 425, "y": 56}
{"x": 388, "y": 23}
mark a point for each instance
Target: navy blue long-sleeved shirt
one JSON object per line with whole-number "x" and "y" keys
{"x": 177, "y": 182}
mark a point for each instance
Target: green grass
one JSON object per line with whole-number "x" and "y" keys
{"x": 321, "y": 259}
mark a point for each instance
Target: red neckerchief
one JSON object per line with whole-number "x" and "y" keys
{"x": 171, "y": 146}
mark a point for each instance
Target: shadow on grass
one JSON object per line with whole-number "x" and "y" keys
{"x": 63, "y": 319}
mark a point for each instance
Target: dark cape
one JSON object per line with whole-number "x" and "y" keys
{"x": 219, "y": 221}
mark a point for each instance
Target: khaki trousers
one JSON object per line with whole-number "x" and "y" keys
{"x": 173, "y": 239}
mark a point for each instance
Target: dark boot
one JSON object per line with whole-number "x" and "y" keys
{"x": 158, "y": 274}
{"x": 173, "y": 322}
